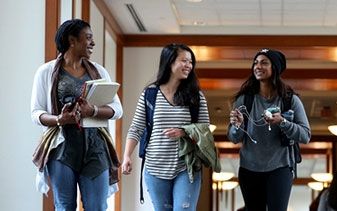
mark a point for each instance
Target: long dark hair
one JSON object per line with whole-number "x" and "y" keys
{"x": 332, "y": 198}
{"x": 252, "y": 86}
{"x": 188, "y": 91}
{"x": 73, "y": 28}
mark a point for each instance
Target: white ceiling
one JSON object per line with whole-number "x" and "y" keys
{"x": 314, "y": 17}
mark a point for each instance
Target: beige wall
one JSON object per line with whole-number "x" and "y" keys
{"x": 22, "y": 51}
{"x": 140, "y": 66}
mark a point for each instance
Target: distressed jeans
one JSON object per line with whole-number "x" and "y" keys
{"x": 94, "y": 192}
{"x": 177, "y": 194}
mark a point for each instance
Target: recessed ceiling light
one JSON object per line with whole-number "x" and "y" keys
{"x": 194, "y": 1}
{"x": 199, "y": 23}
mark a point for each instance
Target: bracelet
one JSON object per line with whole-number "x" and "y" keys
{"x": 95, "y": 111}
{"x": 58, "y": 122}
{"x": 283, "y": 122}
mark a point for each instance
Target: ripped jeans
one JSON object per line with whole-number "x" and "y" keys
{"x": 177, "y": 194}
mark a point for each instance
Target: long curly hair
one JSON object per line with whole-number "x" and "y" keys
{"x": 187, "y": 93}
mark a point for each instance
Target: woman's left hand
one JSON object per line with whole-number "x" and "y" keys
{"x": 85, "y": 108}
{"x": 276, "y": 118}
{"x": 174, "y": 133}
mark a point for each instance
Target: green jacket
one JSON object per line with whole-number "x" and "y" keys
{"x": 198, "y": 148}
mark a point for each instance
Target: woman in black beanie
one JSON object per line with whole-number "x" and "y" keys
{"x": 266, "y": 162}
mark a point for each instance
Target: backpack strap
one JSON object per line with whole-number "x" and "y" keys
{"x": 293, "y": 147}
{"x": 286, "y": 102}
{"x": 150, "y": 97}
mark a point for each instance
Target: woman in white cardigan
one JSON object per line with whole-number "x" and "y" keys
{"x": 78, "y": 156}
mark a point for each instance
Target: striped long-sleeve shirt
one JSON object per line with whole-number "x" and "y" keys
{"x": 162, "y": 154}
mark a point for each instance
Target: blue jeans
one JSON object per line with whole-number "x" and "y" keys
{"x": 94, "y": 192}
{"x": 176, "y": 194}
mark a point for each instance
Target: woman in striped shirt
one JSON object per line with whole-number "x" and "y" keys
{"x": 165, "y": 173}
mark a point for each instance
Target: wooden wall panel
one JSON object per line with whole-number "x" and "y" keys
{"x": 231, "y": 40}
{"x": 52, "y": 22}
{"x": 119, "y": 123}
{"x": 86, "y": 10}
{"x": 239, "y": 73}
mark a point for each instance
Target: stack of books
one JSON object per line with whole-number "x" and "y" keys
{"x": 98, "y": 92}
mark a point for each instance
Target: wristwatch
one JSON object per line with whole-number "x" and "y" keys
{"x": 283, "y": 122}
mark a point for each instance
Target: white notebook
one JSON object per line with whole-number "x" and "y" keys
{"x": 99, "y": 92}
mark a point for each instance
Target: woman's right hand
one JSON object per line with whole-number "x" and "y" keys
{"x": 236, "y": 118}
{"x": 126, "y": 165}
{"x": 68, "y": 114}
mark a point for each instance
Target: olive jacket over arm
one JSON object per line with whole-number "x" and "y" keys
{"x": 198, "y": 148}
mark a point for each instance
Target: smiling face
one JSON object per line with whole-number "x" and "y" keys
{"x": 262, "y": 68}
{"x": 84, "y": 43}
{"x": 182, "y": 66}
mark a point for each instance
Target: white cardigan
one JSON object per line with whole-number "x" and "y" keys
{"x": 41, "y": 103}
{"x": 41, "y": 92}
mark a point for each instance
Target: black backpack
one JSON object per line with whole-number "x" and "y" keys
{"x": 150, "y": 97}
{"x": 294, "y": 147}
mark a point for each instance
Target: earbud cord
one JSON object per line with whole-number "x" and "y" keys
{"x": 254, "y": 141}
{"x": 243, "y": 110}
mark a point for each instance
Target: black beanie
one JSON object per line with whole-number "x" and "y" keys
{"x": 276, "y": 57}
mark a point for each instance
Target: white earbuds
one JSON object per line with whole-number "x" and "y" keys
{"x": 268, "y": 114}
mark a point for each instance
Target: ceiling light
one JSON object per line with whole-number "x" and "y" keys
{"x": 194, "y": 1}
{"x": 229, "y": 185}
{"x": 199, "y": 23}
{"x": 214, "y": 186}
{"x": 322, "y": 177}
{"x": 316, "y": 186}
{"x": 212, "y": 127}
{"x": 222, "y": 176}
{"x": 333, "y": 129}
